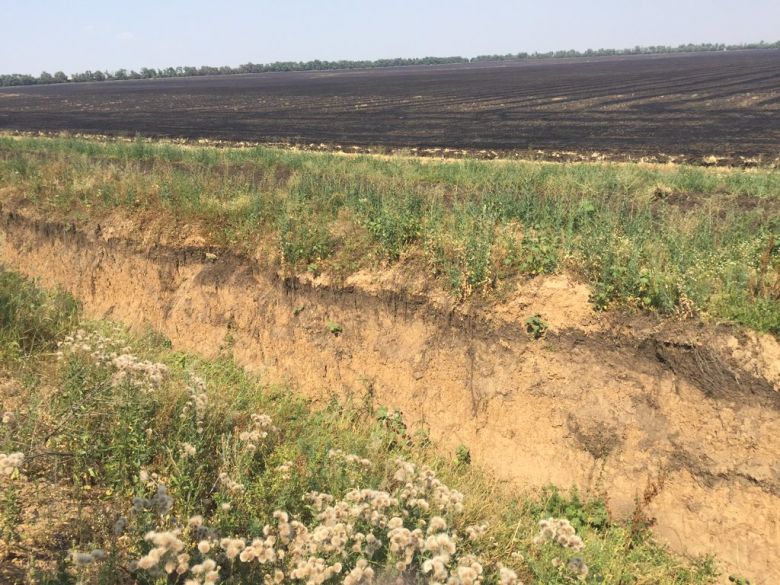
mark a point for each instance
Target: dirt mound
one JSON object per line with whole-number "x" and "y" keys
{"x": 681, "y": 418}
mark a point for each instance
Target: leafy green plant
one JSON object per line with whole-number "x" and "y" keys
{"x": 334, "y": 328}
{"x": 463, "y": 455}
{"x": 302, "y": 239}
{"x": 538, "y": 254}
{"x": 580, "y": 512}
{"x": 394, "y": 222}
{"x": 391, "y": 420}
{"x": 535, "y": 326}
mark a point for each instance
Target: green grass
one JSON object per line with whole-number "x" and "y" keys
{"x": 89, "y": 436}
{"x": 662, "y": 238}
{"x": 30, "y": 320}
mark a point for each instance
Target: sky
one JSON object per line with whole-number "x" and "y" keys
{"x": 75, "y": 36}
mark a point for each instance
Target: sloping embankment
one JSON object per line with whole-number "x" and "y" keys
{"x": 683, "y": 419}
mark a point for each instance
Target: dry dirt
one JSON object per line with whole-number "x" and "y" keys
{"x": 622, "y": 406}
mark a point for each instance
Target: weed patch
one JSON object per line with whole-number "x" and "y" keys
{"x": 477, "y": 224}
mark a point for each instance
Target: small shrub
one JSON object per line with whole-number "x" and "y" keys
{"x": 463, "y": 455}
{"x": 582, "y": 513}
{"x": 391, "y": 420}
{"x": 303, "y": 240}
{"x": 535, "y": 326}
{"x": 335, "y": 328}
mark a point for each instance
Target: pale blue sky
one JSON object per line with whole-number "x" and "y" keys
{"x": 76, "y": 35}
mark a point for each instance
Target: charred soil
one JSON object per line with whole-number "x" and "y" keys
{"x": 689, "y": 107}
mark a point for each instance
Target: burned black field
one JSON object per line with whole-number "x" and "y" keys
{"x": 689, "y": 106}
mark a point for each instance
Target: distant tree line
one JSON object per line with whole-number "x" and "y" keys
{"x": 16, "y": 79}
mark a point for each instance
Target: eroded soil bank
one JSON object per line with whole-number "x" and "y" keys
{"x": 682, "y": 418}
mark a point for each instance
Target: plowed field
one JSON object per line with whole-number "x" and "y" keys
{"x": 690, "y": 106}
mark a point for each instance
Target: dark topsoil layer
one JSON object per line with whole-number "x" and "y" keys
{"x": 689, "y": 105}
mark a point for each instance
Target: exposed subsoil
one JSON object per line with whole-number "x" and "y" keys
{"x": 682, "y": 107}
{"x": 680, "y": 415}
